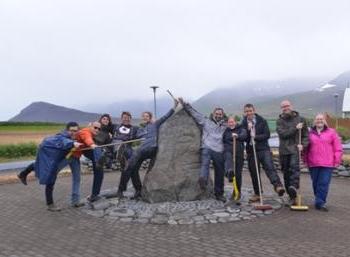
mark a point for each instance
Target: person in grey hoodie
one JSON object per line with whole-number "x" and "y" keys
{"x": 212, "y": 147}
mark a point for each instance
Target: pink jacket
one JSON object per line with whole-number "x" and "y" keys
{"x": 324, "y": 150}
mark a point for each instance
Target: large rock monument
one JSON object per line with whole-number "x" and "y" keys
{"x": 174, "y": 176}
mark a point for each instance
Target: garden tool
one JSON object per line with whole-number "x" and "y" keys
{"x": 299, "y": 206}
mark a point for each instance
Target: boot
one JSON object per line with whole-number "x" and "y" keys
{"x": 221, "y": 198}
{"x": 279, "y": 190}
{"x": 137, "y": 195}
{"x": 292, "y": 191}
{"x": 22, "y": 178}
{"x": 120, "y": 194}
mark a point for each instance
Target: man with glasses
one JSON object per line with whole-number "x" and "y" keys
{"x": 86, "y": 137}
{"x": 51, "y": 159}
{"x": 289, "y": 124}
{"x": 212, "y": 147}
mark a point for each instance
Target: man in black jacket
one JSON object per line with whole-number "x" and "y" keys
{"x": 237, "y": 131}
{"x": 124, "y": 132}
{"x": 259, "y": 131}
{"x": 288, "y": 126}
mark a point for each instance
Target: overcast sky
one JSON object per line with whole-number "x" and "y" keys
{"x": 74, "y": 53}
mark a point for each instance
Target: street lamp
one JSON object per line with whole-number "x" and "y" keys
{"x": 336, "y": 95}
{"x": 154, "y": 100}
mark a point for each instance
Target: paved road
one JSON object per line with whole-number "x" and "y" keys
{"x": 14, "y": 165}
{"x": 27, "y": 229}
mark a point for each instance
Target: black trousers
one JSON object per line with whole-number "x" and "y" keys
{"x": 27, "y": 170}
{"x": 132, "y": 171}
{"x": 264, "y": 158}
{"x": 49, "y": 193}
{"x": 291, "y": 170}
{"x": 239, "y": 166}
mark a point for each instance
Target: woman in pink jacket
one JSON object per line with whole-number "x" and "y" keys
{"x": 322, "y": 156}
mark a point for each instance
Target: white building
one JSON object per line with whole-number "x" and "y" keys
{"x": 346, "y": 103}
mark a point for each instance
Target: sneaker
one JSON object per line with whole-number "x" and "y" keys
{"x": 220, "y": 198}
{"x": 292, "y": 191}
{"x": 202, "y": 183}
{"x": 137, "y": 195}
{"x": 77, "y": 205}
{"x": 322, "y": 208}
{"x": 279, "y": 190}
{"x": 254, "y": 199}
{"x": 52, "y": 207}
{"x": 93, "y": 198}
{"x": 22, "y": 178}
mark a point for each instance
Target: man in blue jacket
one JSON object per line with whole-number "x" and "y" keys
{"x": 147, "y": 150}
{"x": 51, "y": 159}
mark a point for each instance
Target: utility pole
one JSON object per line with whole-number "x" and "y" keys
{"x": 336, "y": 95}
{"x": 154, "y": 100}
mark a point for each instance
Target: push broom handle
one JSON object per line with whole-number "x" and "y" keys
{"x": 99, "y": 146}
{"x": 300, "y": 162}
{"x": 257, "y": 170}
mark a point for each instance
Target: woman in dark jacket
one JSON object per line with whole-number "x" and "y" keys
{"x": 237, "y": 131}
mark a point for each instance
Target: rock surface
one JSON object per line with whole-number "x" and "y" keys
{"x": 175, "y": 174}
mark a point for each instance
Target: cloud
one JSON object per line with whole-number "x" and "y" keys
{"x": 77, "y": 52}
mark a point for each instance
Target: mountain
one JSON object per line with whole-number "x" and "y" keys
{"x": 46, "y": 112}
{"x": 233, "y": 98}
{"x": 135, "y": 107}
{"x": 326, "y": 98}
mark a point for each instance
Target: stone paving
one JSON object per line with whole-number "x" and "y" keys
{"x": 28, "y": 229}
{"x": 179, "y": 213}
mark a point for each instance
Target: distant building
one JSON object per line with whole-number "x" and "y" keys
{"x": 346, "y": 103}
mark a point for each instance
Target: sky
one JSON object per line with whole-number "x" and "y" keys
{"x": 78, "y": 52}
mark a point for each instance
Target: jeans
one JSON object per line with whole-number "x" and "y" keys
{"x": 239, "y": 167}
{"x": 132, "y": 171}
{"x": 95, "y": 155}
{"x": 219, "y": 170}
{"x": 321, "y": 179}
{"x": 291, "y": 170}
{"x": 74, "y": 164}
{"x": 265, "y": 159}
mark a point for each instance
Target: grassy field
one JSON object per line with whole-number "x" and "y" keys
{"x": 17, "y": 133}
{"x": 18, "y": 139}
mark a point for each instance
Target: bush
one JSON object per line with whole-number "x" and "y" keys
{"x": 344, "y": 133}
{"x": 18, "y": 150}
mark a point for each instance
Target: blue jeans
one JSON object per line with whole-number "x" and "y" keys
{"x": 74, "y": 164}
{"x": 95, "y": 155}
{"x": 321, "y": 178}
{"x": 219, "y": 169}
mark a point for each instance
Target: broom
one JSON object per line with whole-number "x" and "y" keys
{"x": 260, "y": 206}
{"x": 235, "y": 193}
{"x": 299, "y": 206}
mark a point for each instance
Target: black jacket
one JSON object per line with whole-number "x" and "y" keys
{"x": 124, "y": 132}
{"x": 288, "y": 133}
{"x": 262, "y": 134}
{"x": 104, "y": 135}
{"x": 228, "y": 140}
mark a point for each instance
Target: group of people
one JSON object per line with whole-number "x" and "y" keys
{"x": 223, "y": 143}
